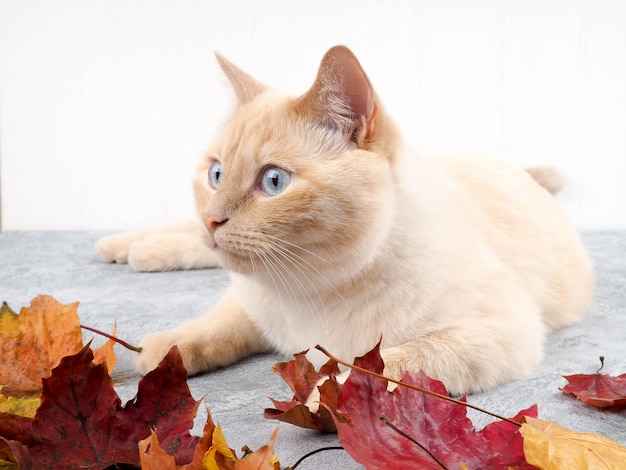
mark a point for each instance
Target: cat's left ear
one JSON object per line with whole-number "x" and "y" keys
{"x": 342, "y": 96}
{"x": 246, "y": 87}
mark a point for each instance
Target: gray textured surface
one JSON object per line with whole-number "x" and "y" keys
{"x": 65, "y": 266}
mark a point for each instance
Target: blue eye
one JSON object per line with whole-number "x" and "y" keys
{"x": 215, "y": 174}
{"x": 274, "y": 180}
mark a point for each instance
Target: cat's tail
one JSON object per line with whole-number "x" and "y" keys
{"x": 549, "y": 177}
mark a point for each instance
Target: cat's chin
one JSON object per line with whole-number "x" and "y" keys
{"x": 236, "y": 262}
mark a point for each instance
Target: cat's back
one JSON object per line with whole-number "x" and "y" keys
{"x": 528, "y": 230}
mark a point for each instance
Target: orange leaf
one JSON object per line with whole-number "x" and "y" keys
{"x": 211, "y": 453}
{"x": 152, "y": 456}
{"x": 105, "y": 355}
{"x": 261, "y": 459}
{"x": 34, "y": 342}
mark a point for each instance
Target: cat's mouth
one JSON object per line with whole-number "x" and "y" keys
{"x": 234, "y": 255}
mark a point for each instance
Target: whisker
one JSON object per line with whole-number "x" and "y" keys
{"x": 288, "y": 286}
{"x": 271, "y": 268}
{"x": 321, "y": 258}
{"x": 299, "y": 284}
{"x": 301, "y": 263}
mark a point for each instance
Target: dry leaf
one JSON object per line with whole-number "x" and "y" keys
{"x": 302, "y": 378}
{"x": 33, "y": 343}
{"x": 550, "y": 446}
{"x": 212, "y": 453}
{"x": 600, "y": 390}
{"x": 153, "y": 457}
{"x": 261, "y": 459}
{"x": 426, "y": 432}
{"x": 26, "y": 406}
{"x": 81, "y": 423}
{"x": 105, "y": 354}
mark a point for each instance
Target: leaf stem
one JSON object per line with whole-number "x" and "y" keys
{"x": 415, "y": 387}
{"x": 385, "y": 420}
{"x": 313, "y": 452}
{"x": 113, "y": 338}
{"x": 601, "y": 365}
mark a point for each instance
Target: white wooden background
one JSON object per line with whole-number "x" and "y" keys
{"x": 106, "y": 106}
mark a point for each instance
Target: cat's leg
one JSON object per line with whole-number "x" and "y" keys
{"x": 221, "y": 337}
{"x": 171, "y": 252}
{"x": 163, "y": 248}
{"x": 473, "y": 357}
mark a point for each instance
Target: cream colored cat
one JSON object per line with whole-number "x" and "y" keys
{"x": 335, "y": 232}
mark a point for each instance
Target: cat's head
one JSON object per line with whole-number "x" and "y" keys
{"x": 300, "y": 184}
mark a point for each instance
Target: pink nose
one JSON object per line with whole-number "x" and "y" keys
{"x": 213, "y": 221}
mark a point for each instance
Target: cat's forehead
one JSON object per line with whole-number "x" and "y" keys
{"x": 255, "y": 129}
{"x": 268, "y": 131}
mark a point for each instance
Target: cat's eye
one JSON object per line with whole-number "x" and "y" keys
{"x": 215, "y": 174}
{"x": 274, "y": 180}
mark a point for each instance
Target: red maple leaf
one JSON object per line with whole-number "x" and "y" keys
{"x": 302, "y": 378}
{"x": 601, "y": 390}
{"x": 426, "y": 432}
{"x": 81, "y": 423}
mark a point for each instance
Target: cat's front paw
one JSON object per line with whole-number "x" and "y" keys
{"x": 154, "y": 348}
{"x": 114, "y": 248}
{"x": 157, "y": 253}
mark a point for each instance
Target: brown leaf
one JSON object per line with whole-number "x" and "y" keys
{"x": 33, "y": 342}
{"x": 548, "y": 445}
{"x": 302, "y": 378}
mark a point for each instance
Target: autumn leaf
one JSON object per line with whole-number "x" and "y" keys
{"x": 219, "y": 456}
{"x": 421, "y": 430}
{"x": 105, "y": 354}
{"x": 81, "y": 423}
{"x": 302, "y": 378}
{"x": 33, "y": 342}
{"x": 212, "y": 453}
{"x": 550, "y": 446}
{"x": 261, "y": 459}
{"x": 26, "y": 406}
{"x": 600, "y": 390}
{"x": 154, "y": 457}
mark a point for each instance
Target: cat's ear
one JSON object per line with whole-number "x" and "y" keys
{"x": 342, "y": 96}
{"x": 246, "y": 87}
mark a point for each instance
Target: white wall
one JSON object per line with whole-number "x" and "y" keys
{"x": 106, "y": 106}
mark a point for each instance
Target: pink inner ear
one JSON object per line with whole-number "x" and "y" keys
{"x": 341, "y": 96}
{"x": 358, "y": 90}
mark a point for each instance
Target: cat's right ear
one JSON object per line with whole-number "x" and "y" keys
{"x": 246, "y": 87}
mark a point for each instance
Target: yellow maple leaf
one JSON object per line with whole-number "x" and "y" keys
{"x": 548, "y": 445}
{"x": 219, "y": 446}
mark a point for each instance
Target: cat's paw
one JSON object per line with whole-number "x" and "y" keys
{"x": 171, "y": 252}
{"x": 154, "y": 348}
{"x": 154, "y": 253}
{"x": 114, "y": 248}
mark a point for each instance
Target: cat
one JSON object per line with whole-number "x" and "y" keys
{"x": 335, "y": 232}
